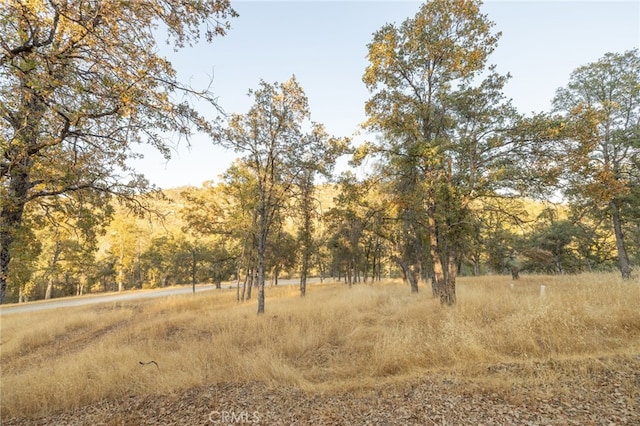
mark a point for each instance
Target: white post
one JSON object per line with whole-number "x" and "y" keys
{"x": 543, "y": 289}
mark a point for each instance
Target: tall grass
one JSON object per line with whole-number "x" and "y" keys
{"x": 334, "y": 338}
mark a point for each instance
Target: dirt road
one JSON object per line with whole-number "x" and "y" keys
{"x": 68, "y": 302}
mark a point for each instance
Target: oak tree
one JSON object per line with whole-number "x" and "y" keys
{"x": 278, "y": 142}
{"x": 319, "y": 163}
{"x": 449, "y": 139}
{"x": 414, "y": 70}
{"x": 81, "y": 85}
{"x": 601, "y": 109}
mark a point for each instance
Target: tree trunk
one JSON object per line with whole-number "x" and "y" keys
{"x": 307, "y": 229}
{"x": 238, "y": 274}
{"x": 194, "y": 269}
{"x": 275, "y": 273}
{"x": 263, "y": 217}
{"x": 623, "y": 258}
{"x": 10, "y": 220}
{"x": 5, "y": 257}
{"x": 52, "y": 269}
{"x": 121, "y": 278}
{"x": 434, "y": 285}
{"x": 448, "y": 294}
{"x": 304, "y": 271}
{"x": 238, "y": 288}
{"x": 367, "y": 261}
{"x": 438, "y": 284}
{"x": 303, "y": 286}
{"x": 263, "y": 232}
{"x": 260, "y": 279}
{"x": 49, "y": 292}
{"x": 477, "y": 249}
{"x": 244, "y": 285}
{"x": 19, "y": 182}
{"x": 409, "y": 274}
{"x": 250, "y": 282}
{"x": 515, "y": 272}
{"x": 374, "y": 265}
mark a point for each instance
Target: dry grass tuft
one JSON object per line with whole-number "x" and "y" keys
{"x": 335, "y": 338}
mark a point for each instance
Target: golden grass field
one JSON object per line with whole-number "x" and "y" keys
{"x": 334, "y": 338}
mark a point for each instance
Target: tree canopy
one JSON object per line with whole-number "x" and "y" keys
{"x": 601, "y": 109}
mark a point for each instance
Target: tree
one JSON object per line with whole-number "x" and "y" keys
{"x": 81, "y": 84}
{"x": 319, "y": 164}
{"x": 70, "y": 238}
{"x": 307, "y": 213}
{"x": 216, "y": 217}
{"x": 158, "y": 263}
{"x": 355, "y": 223}
{"x": 601, "y": 107}
{"x": 239, "y": 199}
{"x": 347, "y": 222}
{"x": 449, "y": 138}
{"x": 495, "y": 239}
{"x": 61, "y": 234}
{"x": 276, "y": 149}
{"x": 125, "y": 244}
{"x": 282, "y": 254}
{"x": 551, "y": 246}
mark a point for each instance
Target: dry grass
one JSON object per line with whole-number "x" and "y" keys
{"x": 335, "y": 338}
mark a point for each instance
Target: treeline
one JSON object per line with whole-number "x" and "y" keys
{"x": 205, "y": 235}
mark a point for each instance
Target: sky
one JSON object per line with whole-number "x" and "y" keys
{"x": 324, "y": 44}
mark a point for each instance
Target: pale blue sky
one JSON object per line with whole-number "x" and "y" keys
{"x": 324, "y": 45}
